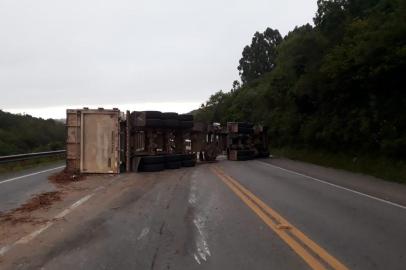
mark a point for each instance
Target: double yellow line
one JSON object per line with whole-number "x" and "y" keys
{"x": 314, "y": 255}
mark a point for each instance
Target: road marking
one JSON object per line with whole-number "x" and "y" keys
{"x": 73, "y": 206}
{"x": 34, "y": 234}
{"x": 337, "y": 186}
{"x": 26, "y": 239}
{"x": 31, "y": 174}
{"x": 143, "y": 233}
{"x": 197, "y": 258}
{"x": 281, "y": 226}
{"x": 201, "y": 244}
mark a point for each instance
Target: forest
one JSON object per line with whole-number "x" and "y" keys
{"x": 336, "y": 86}
{"x": 21, "y": 134}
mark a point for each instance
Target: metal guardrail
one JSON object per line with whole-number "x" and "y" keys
{"x": 22, "y": 157}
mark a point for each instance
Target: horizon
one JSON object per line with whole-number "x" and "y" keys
{"x": 59, "y": 112}
{"x": 57, "y": 55}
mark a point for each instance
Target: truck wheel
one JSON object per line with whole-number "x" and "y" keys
{"x": 173, "y": 165}
{"x": 152, "y": 115}
{"x": 154, "y": 123}
{"x": 152, "y": 167}
{"x": 171, "y": 123}
{"x": 185, "y": 117}
{"x": 245, "y": 130}
{"x": 188, "y": 163}
{"x": 170, "y": 115}
{"x": 173, "y": 157}
{"x": 186, "y": 124}
{"x": 189, "y": 157}
{"x": 152, "y": 160}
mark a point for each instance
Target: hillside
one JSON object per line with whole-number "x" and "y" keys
{"x": 335, "y": 88}
{"x": 24, "y": 134}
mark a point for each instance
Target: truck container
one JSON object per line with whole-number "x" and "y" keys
{"x": 93, "y": 140}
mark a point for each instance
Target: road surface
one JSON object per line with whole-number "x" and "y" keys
{"x": 18, "y": 187}
{"x": 224, "y": 215}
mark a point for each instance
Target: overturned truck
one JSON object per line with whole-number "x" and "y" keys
{"x": 158, "y": 141}
{"x": 110, "y": 141}
{"x": 246, "y": 141}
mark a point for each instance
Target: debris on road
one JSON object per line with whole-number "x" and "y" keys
{"x": 65, "y": 177}
{"x": 22, "y": 213}
{"x": 43, "y": 200}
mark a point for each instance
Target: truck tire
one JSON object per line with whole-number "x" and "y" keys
{"x": 156, "y": 123}
{"x": 173, "y": 165}
{"x": 152, "y": 115}
{"x": 189, "y": 157}
{"x": 169, "y": 115}
{"x": 152, "y": 167}
{"x": 185, "y": 117}
{"x": 186, "y": 124}
{"x": 188, "y": 163}
{"x": 152, "y": 160}
{"x": 171, "y": 123}
{"x": 245, "y": 130}
{"x": 174, "y": 158}
{"x": 245, "y": 154}
{"x": 245, "y": 125}
{"x": 263, "y": 154}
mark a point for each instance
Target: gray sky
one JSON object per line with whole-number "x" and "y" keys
{"x": 165, "y": 55}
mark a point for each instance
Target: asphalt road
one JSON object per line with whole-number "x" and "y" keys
{"x": 18, "y": 187}
{"x": 226, "y": 215}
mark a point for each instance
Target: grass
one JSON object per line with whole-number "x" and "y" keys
{"x": 381, "y": 167}
{"x": 27, "y": 164}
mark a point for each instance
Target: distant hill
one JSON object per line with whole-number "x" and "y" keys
{"x": 24, "y": 133}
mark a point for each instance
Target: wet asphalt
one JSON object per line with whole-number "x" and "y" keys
{"x": 18, "y": 187}
{"x": 190, "y": 219}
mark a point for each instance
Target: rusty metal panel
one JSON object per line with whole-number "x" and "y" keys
{"x": 100, "y": 141}
{"x": 233, "y": 155}
{"x": 138, "y": 119}
{"x": 72, "y": 118}
{"x": 73, "y": 134}
{"x": 72, "y": 140}
{"x": 72, "y": 151}
{"x": 232, "y": 127}
{"x": 139, "y": 141}
{"x": 71, "y": 164}
{"x": 127, "y": 143}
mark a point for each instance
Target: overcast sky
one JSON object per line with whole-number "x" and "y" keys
{"x": 131, "y": 54}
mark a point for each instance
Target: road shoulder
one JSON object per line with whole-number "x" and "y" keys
{"x": 369, "y": 185}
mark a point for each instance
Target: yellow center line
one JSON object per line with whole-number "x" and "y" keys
{"x": 269, "y": 216}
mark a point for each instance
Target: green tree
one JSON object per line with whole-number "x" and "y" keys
{"x": 259, "y": 58}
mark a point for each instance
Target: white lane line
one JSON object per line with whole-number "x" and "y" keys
{"x": 143, "y": 233}
{"x": 337, "y": 186}
{"x": 201, "y": 244}
{"x": 31, "y": 174}
{"x": 73, "y": 206}
{"x": 34, "y": 234}
{"x": 31, "y": 236}
{"x": 197, "y": 258}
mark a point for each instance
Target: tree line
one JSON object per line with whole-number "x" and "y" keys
{"x": 337, "y": 85}
{"x": 21, "y": 134}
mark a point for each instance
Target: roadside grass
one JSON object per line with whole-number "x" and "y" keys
{"x": 27, "y": 164}
{"x": 388, "y": 169}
